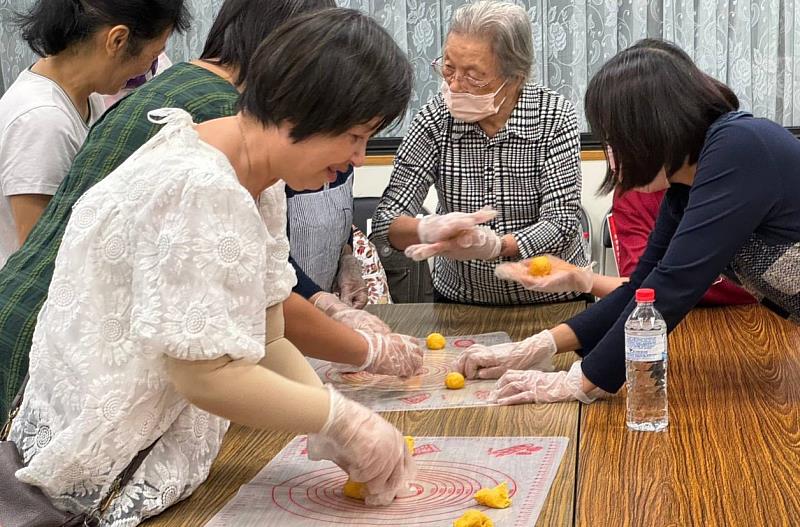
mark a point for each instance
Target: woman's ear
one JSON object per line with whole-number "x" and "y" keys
{"x": 116, "y": 40}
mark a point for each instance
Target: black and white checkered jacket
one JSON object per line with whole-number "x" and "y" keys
{"x": 529, "y": 172}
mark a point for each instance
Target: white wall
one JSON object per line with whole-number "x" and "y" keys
{"x": 371, "y": 180}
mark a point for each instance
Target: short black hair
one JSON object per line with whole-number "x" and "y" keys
{"x": 653, "y": 106}
{"x": 241, "y": 25}
{"x": 326, "y": 72}
{"x": 51, "y": 26}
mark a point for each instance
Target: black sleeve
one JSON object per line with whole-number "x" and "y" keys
{"x": 306, "y": 287}
{"x": 724, "y": 208}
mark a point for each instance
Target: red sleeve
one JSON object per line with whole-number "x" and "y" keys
{"x": 634, "y": 215}
{"x": 634, "y": 218}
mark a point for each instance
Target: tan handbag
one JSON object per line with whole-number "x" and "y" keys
{"x": 23, "y": 505}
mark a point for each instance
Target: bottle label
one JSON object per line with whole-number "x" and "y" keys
{"x": 649, "y": 348}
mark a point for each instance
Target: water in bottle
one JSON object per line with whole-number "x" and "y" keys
{"x": 646, "y": 365}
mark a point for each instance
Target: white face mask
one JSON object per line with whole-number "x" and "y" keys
{"x": 471, "y": 108}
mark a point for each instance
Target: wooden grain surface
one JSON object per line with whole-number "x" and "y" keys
{"x": 245, "y": 451}
{"x": 731, "y": 455}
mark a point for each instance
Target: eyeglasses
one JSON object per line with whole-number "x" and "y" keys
{"x": 448, "y": 73}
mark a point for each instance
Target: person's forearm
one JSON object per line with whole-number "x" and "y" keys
{"x": 603, "y": 285}
{"x": 565, "y": 338}
{"x": 403, "y": 232}
{"x": 26, "y": 210}
{"x": 251, "y": 395}
{"x": 319, "y": 336}
{"x": 509, "y": 247}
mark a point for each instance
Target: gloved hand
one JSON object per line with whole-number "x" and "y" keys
{"x": 391, "y": 354}
{"x": 353, "y": 318}
{"x": 477, "y": 243}
{"x": 435, "y": 228}
{"x": 350, "y": 282}
{"x": 365, "y": 446}
{"x": 531, "y": 386}
{"x": 490, "y": 362}
{"x": 563, "y": 278}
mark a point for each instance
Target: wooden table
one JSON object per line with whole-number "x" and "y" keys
{"x": 245, "y": 451}
{"x": 731, "y": 454}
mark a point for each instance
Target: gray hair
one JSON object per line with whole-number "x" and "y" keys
{"x": 508, "y": 29}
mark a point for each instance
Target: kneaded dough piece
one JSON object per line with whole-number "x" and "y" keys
{"x": 496, "y": 498}
{"x": 436, "y": 341}
{"x": 354, "y": 489}
{"x": 473, "y": 518}
{"x": 454, "y": 381}
{"x": 539, "y": 266}
{"x": 358, "y": 491}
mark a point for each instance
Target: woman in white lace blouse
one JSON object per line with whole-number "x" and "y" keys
{"x": 154, "y": 327}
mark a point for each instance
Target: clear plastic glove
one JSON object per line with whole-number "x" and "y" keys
{"x": 365, "y": 446}
{"x": 350, "y": 282}
{"x": 392, "y": 354}
{"x": 353, "y": 318}
{"x": 435, "y": 228}
{"x": 477, "y": 243}
{"x": 531, "y": 386}
{"x": 490, "y": 362}
{"x": 564, "y": 277}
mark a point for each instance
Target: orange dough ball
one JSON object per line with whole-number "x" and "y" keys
{"x": 539, "y": 266}
{"x": 454, "y": 381}
{"x": 435, "y": 341}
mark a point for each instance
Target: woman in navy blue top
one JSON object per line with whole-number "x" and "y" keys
{"x": 732, "y": 207}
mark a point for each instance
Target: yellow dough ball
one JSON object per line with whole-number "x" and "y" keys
{"x": 358, "y": 491}
{"x": 436, "y": 341}
{"x": 354, "y": 489}
{"x": 539, "y": 266}
{"x": 454, "y": 381}
{"x": 496, "y": 498}
{"x": 473, "y": 518}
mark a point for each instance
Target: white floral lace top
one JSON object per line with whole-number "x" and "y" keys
{"x": 168, "y": 256}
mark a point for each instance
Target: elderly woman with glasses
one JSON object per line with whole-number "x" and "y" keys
{"x": 503, "y": 154}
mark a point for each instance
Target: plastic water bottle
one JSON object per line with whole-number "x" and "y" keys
{"x": 646, "y": 365}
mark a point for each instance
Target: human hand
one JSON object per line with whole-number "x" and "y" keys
{"x": 531, "y": 386}
{"x": 350, "y": 282}
{"x": 563, "y": 278}
{"x": 354, "y": 318}
{"x": 490, "y": 362}
{"x": 477, "y": 243}
{"x": 435, "y": 228}
{"x": 364, "y": 445}
{"x": 391, "y": 354}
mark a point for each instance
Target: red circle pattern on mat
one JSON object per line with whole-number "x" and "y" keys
{"x": 432, "y": 377}
{"x": 443, "y": 491}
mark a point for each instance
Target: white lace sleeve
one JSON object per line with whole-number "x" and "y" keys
{"x": 198, "y": 274}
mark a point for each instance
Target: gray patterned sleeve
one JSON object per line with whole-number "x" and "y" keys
{"x": 557, "y": 225}
{"x": 415, "y": 170}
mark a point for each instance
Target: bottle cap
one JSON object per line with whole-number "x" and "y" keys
{"x": 645, "y": 295}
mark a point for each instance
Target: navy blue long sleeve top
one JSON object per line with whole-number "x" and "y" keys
{"x": 740, "y": 217}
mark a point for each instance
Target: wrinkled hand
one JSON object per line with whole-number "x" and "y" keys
{"x": 531, "y": 386}
{"x": 490, "y": 362}
{"x": 365, "y": 446}
{"x": 353, "y": 318}
{"x": 391, "y": 354}
{"x": 477, "y": 243}
{"x": 435, "y": 228}
{"x": 350, "y": 282}
{"x": 564, "y": 277}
